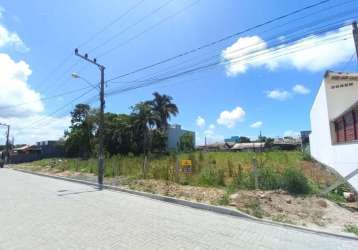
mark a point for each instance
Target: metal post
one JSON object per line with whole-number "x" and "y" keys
{"x": 7, "y": 144}
{"x": 101, "y": 117}
{"x": 100, "y": 131}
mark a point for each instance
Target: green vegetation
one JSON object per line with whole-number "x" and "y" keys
{"x": 141, "y": 132}
{"x": 295, "y": 182}
{"x": 230, "y": 170}
{"x": 255, "y": 209}
{"x": 351, "y": 229}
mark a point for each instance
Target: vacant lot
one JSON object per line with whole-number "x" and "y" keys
{"x": 278, "y": 185}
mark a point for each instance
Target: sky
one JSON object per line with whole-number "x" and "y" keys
{"x": 253, "y": 88}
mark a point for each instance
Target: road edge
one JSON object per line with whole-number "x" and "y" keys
{"x": 195, "y": 205}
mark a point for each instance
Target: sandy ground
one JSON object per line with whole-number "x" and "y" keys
{"x": 308, "y": 211}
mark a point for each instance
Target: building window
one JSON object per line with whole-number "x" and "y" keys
{"x": 346, "y": 127}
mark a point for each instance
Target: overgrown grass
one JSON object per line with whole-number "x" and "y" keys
{"x": 276, "y": 169}
{"x": 351, "y": 229}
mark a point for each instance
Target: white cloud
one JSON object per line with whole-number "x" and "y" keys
{"x": 277, "y": 94}
{"x": 200, "y": 121}
{"x": 15, "y": 91}
{"x": 11, "y": 40}
{"x": 230, "y": 118}
{"x": 291, "y": 133}
{"x": 313, "y": 53}
{"x": 300, "y": 89}
{"x": 44, "y": 128}
{"x": 212, "y": 126}
{"x": 257, "y": 124}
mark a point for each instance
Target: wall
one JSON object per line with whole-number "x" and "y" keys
{"x": 342, "y": 157}
{"x": 174, "y": 134}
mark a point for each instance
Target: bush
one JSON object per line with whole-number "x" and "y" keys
{"x": 268, "y": 179}
{"x": 295, "y": 182}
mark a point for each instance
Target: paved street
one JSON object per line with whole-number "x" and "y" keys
{"x": 44, "y": 213}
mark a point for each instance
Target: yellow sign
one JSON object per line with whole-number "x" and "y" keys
{"x": 185, "y": 163}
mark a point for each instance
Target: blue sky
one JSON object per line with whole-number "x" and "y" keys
{"x": 240, "y": 98}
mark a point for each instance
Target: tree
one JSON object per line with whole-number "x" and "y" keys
{"x": 162, "y": 104}
{"x": 186, "y": 142}
{"x": 79, "y": 137}
{"x": 144, "y": 119}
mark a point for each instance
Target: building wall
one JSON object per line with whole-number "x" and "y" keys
{"x": 327, "y": 105}
{"x": 174, "y": 134}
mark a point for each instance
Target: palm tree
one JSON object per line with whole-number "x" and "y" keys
{"x": 165, "y": 108}
{"x": 144, "y": 119}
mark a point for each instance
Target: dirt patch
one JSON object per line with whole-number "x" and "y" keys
{"x": 308, "y": 211}
{"x": 199, "y": 194}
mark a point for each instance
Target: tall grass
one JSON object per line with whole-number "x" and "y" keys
{"x": 276, "y": 169}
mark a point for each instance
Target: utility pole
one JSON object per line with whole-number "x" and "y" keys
{"x": 7, "y": 146}
{"x": 101, "y": 116}
{"x": 355, "y": 36}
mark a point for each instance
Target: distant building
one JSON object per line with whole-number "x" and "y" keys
{"x": 51, "y": 149}
{"x": 174, "y": 133}
{"x": 334, "y": 124}
{"x": 249, "y": 147}
{"x": 233, "y": 139}
{"x": 305, "y": 136}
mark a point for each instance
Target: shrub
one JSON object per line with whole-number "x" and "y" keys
{"x": 295, "y": 182}
{"x": 268, "y": 179}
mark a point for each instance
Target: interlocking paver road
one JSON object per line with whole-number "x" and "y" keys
{"x": 43, "y": 213}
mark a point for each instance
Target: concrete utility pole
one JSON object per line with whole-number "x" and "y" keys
{"x": 355, "y": 36}
{"x": 101, "y": 116}
{"x": 7, "y": 147}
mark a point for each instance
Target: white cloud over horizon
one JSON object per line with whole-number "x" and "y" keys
{"x": 50, "y": 128}
{"x": 20, "y": 105}
{"x": 313, "y": 53}
{"x": 257, "y": 124}
{"x": 301, "y": 89}
{"x": 200, "y": 121}
{"x": 230, "y": 118}
{"x": 15, "y": 91}
{"x": 278, "y": 94}
{"x": 11, "y": 40}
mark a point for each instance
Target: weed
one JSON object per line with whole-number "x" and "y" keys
{"x": 224, "y": 200}
{"x": 335, "y": 197}
{"x": 350, "y": 228}
{"x": 295, "y": 182}
{"x": 282, "y": 218}
{"x": 255, "y": 208}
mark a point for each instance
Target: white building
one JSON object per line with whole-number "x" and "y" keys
{"x": 174, "y": 133}
{"x": 334, "y": 124}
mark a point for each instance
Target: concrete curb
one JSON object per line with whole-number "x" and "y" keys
{"x": 196, "y": 205}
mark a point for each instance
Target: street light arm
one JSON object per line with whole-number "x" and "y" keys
{"x": 76, "y": 76}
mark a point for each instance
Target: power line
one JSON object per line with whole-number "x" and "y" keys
{"x": 255, "y": 47}
{"x": 116, "y": 20}
{"x": 222, "y": 39}
{"x": 171, "y": 16}
{"x": 85, "y": 42}
{"x": 44, "y": 98}
{"x": 132, "y": 25}
{"x": 57, "y": 110}
{"x": 200, "y": 68}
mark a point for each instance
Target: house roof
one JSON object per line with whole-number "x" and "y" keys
{"x": 247, "y": 145}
